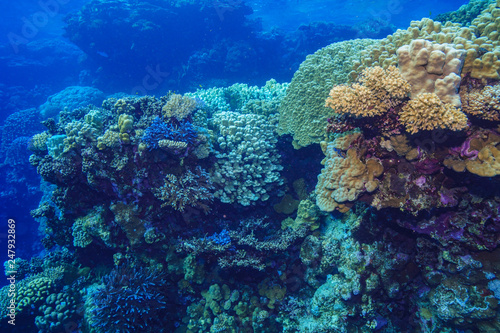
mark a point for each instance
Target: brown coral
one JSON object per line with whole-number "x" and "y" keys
{"x": 343, "y": 179}
{"x": 377, "y": 91}
{"x": 484, "y": 103}
{"x": 427, "y": 112}
{"x": 179, "y": 107}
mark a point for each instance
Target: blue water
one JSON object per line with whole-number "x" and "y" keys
{"x": 60, "y": 57}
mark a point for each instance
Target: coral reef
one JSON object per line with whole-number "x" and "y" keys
{"x": 70, "y": 98}
{"x": 303, "y": 111}
{"x": 191, "y": 213}
{"x": 128, "y": 300}
{"x": 247, "y": 167}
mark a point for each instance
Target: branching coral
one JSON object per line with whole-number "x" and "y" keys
{"x": 159, "y": 130}
{"x": 193, "y": 189}
{"x": 377, "y": 91}
{"x": 427, "y": 112}
{"x": 128, "y": 300}
{"x": 179, "y": 107}
{"x": 484, "y": 103}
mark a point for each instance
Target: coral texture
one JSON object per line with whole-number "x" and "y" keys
{"x": 427, "y": 112}
{"x": 432, "y": 68}
{"x": 377, "y": 91}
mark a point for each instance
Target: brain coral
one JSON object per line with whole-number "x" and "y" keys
{"x": 302, "y": 112}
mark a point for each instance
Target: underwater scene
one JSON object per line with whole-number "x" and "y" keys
{"x": 297, "y": 166}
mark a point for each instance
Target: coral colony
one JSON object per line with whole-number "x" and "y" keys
{"x": 194, "y": 213}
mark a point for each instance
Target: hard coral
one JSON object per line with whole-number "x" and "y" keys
{"x": 179, "y": 107}
{"x": 427, "y": 112}
{"x": 190, "y": 189}
{"x": 344, "y": 178}
{"x": 432, "y": 68}
{"x": 377, "y": 91}
{"x": 484, "y": 103}
{"x": 129, "y": 300}
{"x": 160, "y": 130}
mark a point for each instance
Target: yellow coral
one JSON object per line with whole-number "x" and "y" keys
{"x": 487, "y": 163}
{"x": 483, "y": 103}
{"x": 343, "y": 179}
{"x": 376, "y": 92}
{"x": 428, "y": 112}
{"x": 179, "y": 107}
{"x": 125, "y": 124}
{"x": 110, "y": 139}
{"x": 481, "y": 35}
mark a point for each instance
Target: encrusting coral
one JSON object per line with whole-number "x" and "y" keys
{"x": 344, "y": 178}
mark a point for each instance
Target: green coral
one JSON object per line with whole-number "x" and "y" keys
{"x": 38, "y": 143}
{"x": 125, "y": 124}
{"x": 302, "y": 112}
{"x": 55, "y": 145}
{"x": 58, "y": 310}
{"x": 90, "y": 226}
